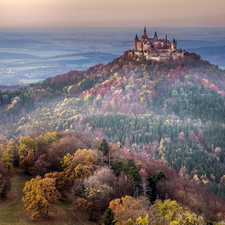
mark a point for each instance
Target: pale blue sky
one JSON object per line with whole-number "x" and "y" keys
{"x": 171, "y": 13}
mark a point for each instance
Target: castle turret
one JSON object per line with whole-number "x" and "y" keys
{"x": 166, "y": 38}
{"x": 145, "y": 32}
{"x": 174, "y": 45}
{"x": 155, "y": 36}
{"x": 135, "y": 42}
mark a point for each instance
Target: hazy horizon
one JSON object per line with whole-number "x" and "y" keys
{"x": 32, "y": 54}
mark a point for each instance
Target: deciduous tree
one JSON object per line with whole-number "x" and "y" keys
{"x": 39, "y": 194}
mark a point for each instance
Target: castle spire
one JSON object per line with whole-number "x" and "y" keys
{"x": 166, "y": 38}
{"x": 136, "y": 37}
{"x": 145, "y": 32}
{"x": 155, "y": 35}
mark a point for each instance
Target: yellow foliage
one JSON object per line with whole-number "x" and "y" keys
{"x": 63, "y": 182}
{"x": 128, "y": 222}
{"x": 167, "y": 208}
{"x": 22, "y": 150}
{"x": 174, "y": 223}
{"x": 144, "y": 221}
{"x": 176, "y": 214}
{"x": 28, "y": 142}
{"x": 130, "y": 208}
{"x": 85, "y": 155}
{"x": 7, "y": 155}
{"x": 39, "y": 193}
{"x": 82, "y": 171}
{"x": 7, "y": 160}
{"x": 66, "y": 161}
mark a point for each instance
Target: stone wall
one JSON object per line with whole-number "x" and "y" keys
{"x": 157, "y": 56}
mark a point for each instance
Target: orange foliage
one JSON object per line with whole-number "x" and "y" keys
{"x": 118, "y": 204}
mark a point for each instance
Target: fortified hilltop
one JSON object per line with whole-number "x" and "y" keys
{"x": 155, "y": 48}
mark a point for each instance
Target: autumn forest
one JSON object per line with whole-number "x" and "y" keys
{"x": 131, "y": 142}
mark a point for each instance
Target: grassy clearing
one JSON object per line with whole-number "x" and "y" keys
{"x": 11, "y": 210}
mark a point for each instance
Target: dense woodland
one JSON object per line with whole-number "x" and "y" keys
{"x": 164, "y": 125}
{"x": 111, "y": 184}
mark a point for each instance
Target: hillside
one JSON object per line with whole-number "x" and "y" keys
{"x": 172, "y": 111}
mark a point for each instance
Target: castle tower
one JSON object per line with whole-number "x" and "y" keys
{"x": 135, "y": 42}
{"x": 145, "y": 32}
{"x": 155, "y": 36}
{"x": 166, "y": 38}
{"x": 174, "y": 45}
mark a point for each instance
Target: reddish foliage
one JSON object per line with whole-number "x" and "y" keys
{"x": 213, "y": 87}
{"x": 200, "y": 135}
{"x": 143, "y": 173}
{"x": 102, "y": 90}
{"x": 181, "y": 136}
{"x": 63, "y": 79}
{"x": 192, "y": 135}
{"x": 68, "y": 144}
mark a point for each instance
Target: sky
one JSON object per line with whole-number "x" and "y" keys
{"x": 112, "y": 13}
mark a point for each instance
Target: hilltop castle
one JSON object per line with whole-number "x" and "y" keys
{"x": 155, "y": 48}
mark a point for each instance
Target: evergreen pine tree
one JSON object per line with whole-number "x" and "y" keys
{"x": 109, "y": 217}
{"x": 131, "y": 170}
{"x": 104, "y": 148}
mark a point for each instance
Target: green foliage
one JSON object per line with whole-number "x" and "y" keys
{"x": 121, "y": 126}
{"x": 4, "y": 181}
{"x": 88, "y": 100}
{"x": 131, "y": 170}
{"x": 153, "y": 181}
{"x": 174, "y": 93}
{"x": 85, "y": 83}
{"x": 12, "y": 151}
{"x": 109, "y": 217}
{"x": 117, "y": 167}
{"x": 104, "y": 148}
{"x": 196, "y": 102}
{"x": 79, "y": 102}
{"x": 51, "y": 137}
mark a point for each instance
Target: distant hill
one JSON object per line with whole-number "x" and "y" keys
{"x": 214, "y": 54}
{"x": 9, "y": 87}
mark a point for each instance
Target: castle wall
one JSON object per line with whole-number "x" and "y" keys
{"x": 173, "y": 46}
{"x": 157, "y": 56}
{"x": 139, "y": 46}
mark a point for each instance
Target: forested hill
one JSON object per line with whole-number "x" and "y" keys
{"x": 173, "y": 111}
